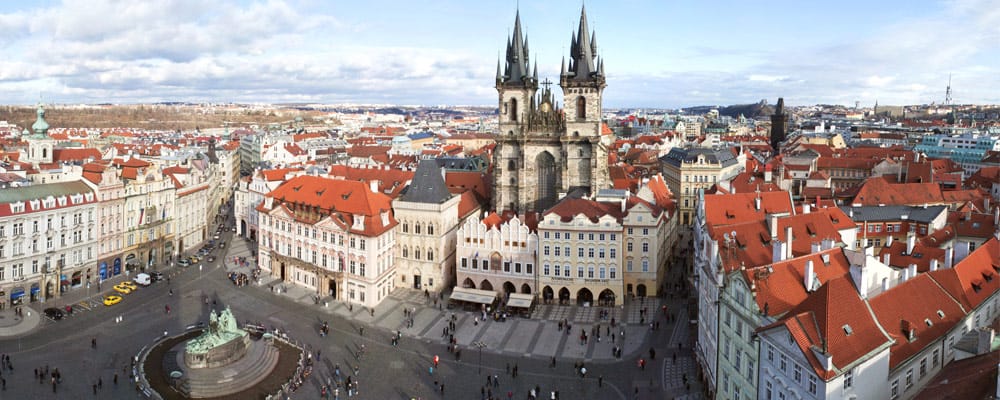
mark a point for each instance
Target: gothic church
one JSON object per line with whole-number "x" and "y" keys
{"x": 544, "y": 152}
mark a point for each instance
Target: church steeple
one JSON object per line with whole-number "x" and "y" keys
{"x": 40, "y": 127}
{"x": 517, "y": 68}
{"x": 583, "y": 64}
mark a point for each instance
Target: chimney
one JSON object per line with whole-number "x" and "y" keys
{"x": 767, "y": 173}
{"x": 911, "y": 240}
{"x": 934, "y": 264}
{"x": 772, "y": 225}
{"x": 756, "y": 201}
{"x": 888, "y": 241}
{"x": 949, "y": 255}
{"x": 886, "y": 258}
{"x": 788, "y": 242}
{"x": 373, "y": 185}
{"x": 885, "y": 284}
{"x": 828, "y": 244}
{"x": 777, "y": 250}
{"x": 805, "y": 208}
{"x": 913, "y": 270}
{"x": 816, "y": 247}
{"x": 810, "y": 277}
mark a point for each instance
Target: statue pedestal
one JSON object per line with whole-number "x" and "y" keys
{"x": 220, "y": 355}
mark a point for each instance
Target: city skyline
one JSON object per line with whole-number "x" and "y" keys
{"x": 445, "y": 53}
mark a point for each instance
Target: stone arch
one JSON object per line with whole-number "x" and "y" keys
{"x": 406, "y": 251}
{"x": 525, "y": 288}
{"x": 511, "y": 165}
{"x": 563, "y": 294}
{"x": 547, "y": 293}
{"x": 485, "y": 285}
{"x": 468, "y": 283}
{"x": 607, "y": 297}
{"x": 640, "y": 290}
{"x": 509, "y": 288}
{"x": 584, "y": 296}
{"x": 430, "y": 254}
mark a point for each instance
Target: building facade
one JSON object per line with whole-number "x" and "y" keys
{"x": 497, "y": 253}
{"x": 690, "y": 169}
{"x": 333, "y": 236}
{"x": 47, "y": 241}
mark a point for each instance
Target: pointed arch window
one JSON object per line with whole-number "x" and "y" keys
{"x": 513, "y": 110}
{"x": 581, "y": 108}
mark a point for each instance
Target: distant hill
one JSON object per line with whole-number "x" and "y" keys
{"x": 755, "y": 110}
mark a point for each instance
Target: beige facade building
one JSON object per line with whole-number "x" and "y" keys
{"x": 687, "y": 170}
{"x": 498, "y": 253}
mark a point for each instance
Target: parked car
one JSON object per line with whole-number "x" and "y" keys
{"x": 123, "y": 288}
{"x": 184, "y": 262}
{"x": 53, "y": 313}
{"x": 112, "y": 300}
{"x": 210, "y": 258}
{"x": 157, "y": 276}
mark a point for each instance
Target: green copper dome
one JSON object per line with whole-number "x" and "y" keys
{"x": 40, "y": 126}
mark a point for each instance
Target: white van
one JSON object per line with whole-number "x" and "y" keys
{"x": 143, "y": 279}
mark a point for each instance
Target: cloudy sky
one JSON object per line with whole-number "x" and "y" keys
{"x": 658, "y": 53}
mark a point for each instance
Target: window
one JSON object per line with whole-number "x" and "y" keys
{"x": 545, "y": 269}
{"x": 545, "y": 250}
{"x": 798, "y": 373}
{"x": 590, "y": 252}
{"x": 602, "y": 273}
{"x": 612, "y": 251}
{"x": 738, "y": 361}
{"x": 590, "y": 236}
{"x": 628, "y": 265}
{"x": 849, "y": 378}
{"x": 600, "y": 253}
{"x": 566, "y": 251}
{"x": 767, "y": 392}
{"x": 923, "y": 367}
{"x": 784, "y": 363}
{"x": 430, "y": 229}
{"x": 749, "y": 369}
{"x": 406, "y": 228}
{"x": 406, "y": 253}
{"x": 611, "y": 273}
{"x": 645, "y": 247}
{"x": 600, "y": 237}
{"x": 909, "y": 378}
{"x": 579, "y": 272}
{"x": 558, "y": 270}
{"x": 506, "y": 264}
{"x": 645, "y": 265}
{"x": 465, "y": 262}
{"x": 566, "y": 270}
{"x": 517, "y": 268}
{"x": 590, "y": 272}
{"x": 934, "y": 357}
{"x": 557, "y": 251}
{"x": 529, "y": 268}
{"x": 579, "y": 251}
{"x": 416, "y": 228}
{"x": 812, "y": 384}
{"x": 725, "y": 349}
{"x": 894, "y": 389}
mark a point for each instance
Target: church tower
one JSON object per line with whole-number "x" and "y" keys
{"x": 40, "y": 144}
{"x": 779, "y": 125}
{"x": 583, "y": 83}
{"x": 544, "y": 152}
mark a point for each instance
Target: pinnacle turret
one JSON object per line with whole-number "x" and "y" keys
{"x": 517, "y": 67}
{"x": 583, "y": 63}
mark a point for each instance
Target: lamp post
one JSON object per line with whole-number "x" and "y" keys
{"x": 480, "y": 345}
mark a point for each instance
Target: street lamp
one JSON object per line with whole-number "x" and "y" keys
{"x": 480, "y": 345}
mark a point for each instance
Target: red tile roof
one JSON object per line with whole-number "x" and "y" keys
{"x": 723, "y": 209}
{"x": 975, "y": 278}
{"x": 877, "y": 190}
{"x": 339, "y": 199}
{"x": 75, "y": 154}
{"x": 821, "y": 323}
{"x": 914, "y": 306}
{"x": 390, "y": 181}
{"x": 781, "y": 286}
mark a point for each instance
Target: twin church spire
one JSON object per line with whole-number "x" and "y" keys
{"x": 583, "y": 64}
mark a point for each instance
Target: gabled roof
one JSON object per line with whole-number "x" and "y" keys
{"x": 921, "y": 255}
{"x": 724, "y": 209}
{"x": 781, "y": 286}
{"x": 427, "y": 186}
{"x": 833, "y": 320}
{"x": 569, "y": 207}
{"x": 975, "y": 278}
{"x": 919, "y": 306}
{"x": 75, "y": 154}
{"x": 877, "y": 191}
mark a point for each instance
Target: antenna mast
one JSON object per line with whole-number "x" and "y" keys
{"x": 947, "y": 92}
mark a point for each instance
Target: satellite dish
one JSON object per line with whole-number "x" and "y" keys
{"x": 726, "y": 236}
{"x": 734, "y": 234}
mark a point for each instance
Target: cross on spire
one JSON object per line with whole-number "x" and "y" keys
{"x": 546, "y": 83}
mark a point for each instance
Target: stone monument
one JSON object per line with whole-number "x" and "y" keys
{"x": 222, "y": 343}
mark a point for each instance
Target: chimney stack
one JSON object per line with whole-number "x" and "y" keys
{"x": 788, "y": 242}
{"x": 949, "y": 255}
{"x": 805, "y": 208}
{"x": 913, "y": 270}
{"x": 911, "y": 240}
{"x": 777, "y": 251}
{"x": 756, "y": 201}
{"x": 886, "y": 258}
{"x": 934, "y": 264}
{"x": 810, "y": 278}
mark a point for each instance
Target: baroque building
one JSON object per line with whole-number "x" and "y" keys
{"x": 544, "y": 151}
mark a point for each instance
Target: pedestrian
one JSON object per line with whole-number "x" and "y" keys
{"x": 496, "y": 381}
{"x": 600, "y": 381}
{"x": 100, "y": 382}
{"x": 361, "y": 330}
{"x": 442, "y": 388}
{"x": 431, "y": 370}
{"x": 116, "y": 379}
{"x": 515, "y": 370}
{"x": 95, "y": 389}
{"x": 553, "y": 363}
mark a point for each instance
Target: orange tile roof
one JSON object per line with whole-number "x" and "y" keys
{"x": 277, "y": 174}
{"x": 723, "y": 209}
{"x": 75, "y": 154}
{"x": 910, "y": 306}
{"x": 781, "y": 286}
{"x": 877, "y": 190}
{"x": 818, "y": 323}
{"x": 921, "y": 256}
{"x": 337, "y": 199}
{"x": 974, "y": 279}
{"x": 390, "y": 181}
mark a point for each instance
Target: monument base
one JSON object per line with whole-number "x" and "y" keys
{"x": 255, "y": 365}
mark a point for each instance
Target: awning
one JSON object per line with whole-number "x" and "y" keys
{"x": 473, "y": 295}
{"x": 520, "y": 300}
{"x": 17, "y": 293}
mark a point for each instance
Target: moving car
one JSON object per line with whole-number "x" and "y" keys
{"x": 53, "y": 313}
{"x": 112, "y": 300}
{"x": 123, "y": 288}
{"x": 157, "y": 276}
{"x": 184, "y": 262}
